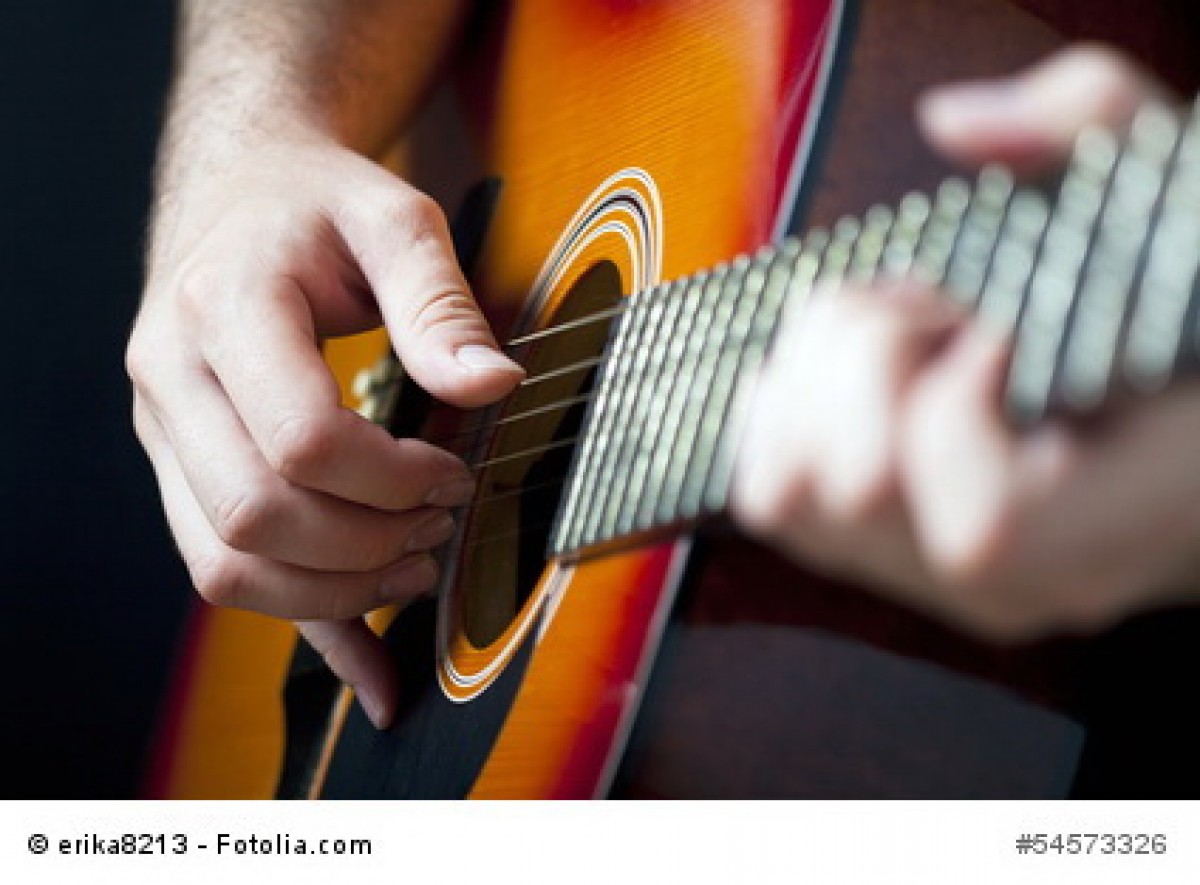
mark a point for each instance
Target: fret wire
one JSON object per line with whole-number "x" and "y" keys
{"x": 608, "y": 427}
{"x": 606, "y": 475}
{"x": 601, "y": 428}
{"x": 741, "y": 322}
{"x": 1156, "y": 341}
{"x": 868, "y": 251}
{"x": 627, "y": 518}
{"x": 1156, "y": 337}
{"x": 1189, "y": 354}
{"x": 1056, "y": 277}
{"x": 901, "y": 248}
{"x": 683, "y": 344}
{"x": 975, "y": 245}
{"x": 627, "y": 422}
{"x": 384, "y": 372}
{"x": 789, "y": 282}
{"x": 1005, "y": 252}
{"x": 731, "y": 295}
{"x": 1007, "y": 285}
{"x": 839, "y": 251}
{"x": 483, "y": 424}
{"x": 650, "y": 417}
{"x": 1093, "y": 335}
{"x": 583, "y": 488}
{"x": 565, "y": 519}
{"x": 697, "y": 398}
{"x": 941, "y": 231}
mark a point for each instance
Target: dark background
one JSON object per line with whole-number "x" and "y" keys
{"x": 92, "y": 596}
{"x": 91, "y": 593}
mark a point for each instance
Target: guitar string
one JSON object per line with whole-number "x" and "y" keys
{"x": 542, "y": 410}
{"x": 473, "y": 428}
{"x": 556, "y": 480}
{"x": 582, "y": 322}
{"x": 561, "y": 371}
{"x": 502, "y": 536}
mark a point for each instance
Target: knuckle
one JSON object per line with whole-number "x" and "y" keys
{"x": 770, "y": 507}
{"x": 863, "y": 498}
{"x": 425, "y": 216}
{"x": 219, "y": 580}
{"x": 452, "y": 309}
{"x": 140, "y": 360}
{"x": 978, "y": 555}
{"x": 413, "y": 214}
{"x": 300, "y": 447}
{"x": 243, "y": 519}
{"x": 196, "y": 289}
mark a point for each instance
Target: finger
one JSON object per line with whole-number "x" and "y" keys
{"x": 359, "y": 658}
{"x": 1126, "y": 556}
{"x": 1031, "y": 121}
{"x": 816, "y": 470}
{"x": 878, "y": 340}
{"x": 772, "y": 487}
{"x": 252, "y": 509}
{"x": 233, "y": 579}
{"x": 403, "y": 246}
{"x": 263, "y": 352}
{"x": 971, "y": 486}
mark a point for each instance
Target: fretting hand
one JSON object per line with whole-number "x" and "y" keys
{"x": 877, "y": 447}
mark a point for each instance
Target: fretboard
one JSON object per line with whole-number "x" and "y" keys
{"x": 1096, "y": 285}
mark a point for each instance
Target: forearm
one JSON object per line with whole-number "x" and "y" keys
{"x": 252, "y": 73}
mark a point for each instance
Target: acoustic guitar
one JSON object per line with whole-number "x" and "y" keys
{"x": 640, "y": 175}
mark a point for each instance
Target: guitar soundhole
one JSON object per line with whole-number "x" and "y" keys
{"x": 509, "y": 526}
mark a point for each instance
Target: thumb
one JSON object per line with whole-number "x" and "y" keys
{"x": 407, "y": 257}
{"x": 1031, "y": 121}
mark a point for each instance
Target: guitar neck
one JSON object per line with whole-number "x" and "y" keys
{"x": 1096, "y": 286}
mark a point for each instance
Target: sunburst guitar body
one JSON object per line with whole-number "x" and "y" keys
{"x": 623, "y": 143}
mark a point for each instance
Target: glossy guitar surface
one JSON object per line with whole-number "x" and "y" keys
{"x": 632, "y": 143}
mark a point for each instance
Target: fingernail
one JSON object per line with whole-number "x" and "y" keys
{"x": 479, "y": 357}
{"x": 432, "y": 532}
{"x": 374, "y": 707}
{"x": 410, "y": 578}
{"x": 452, "y": 494}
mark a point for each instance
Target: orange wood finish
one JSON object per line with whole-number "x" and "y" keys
{"x": 691, "y": 94}
{"x": 688, "y": 91}
{"x": 222, "y": 734}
